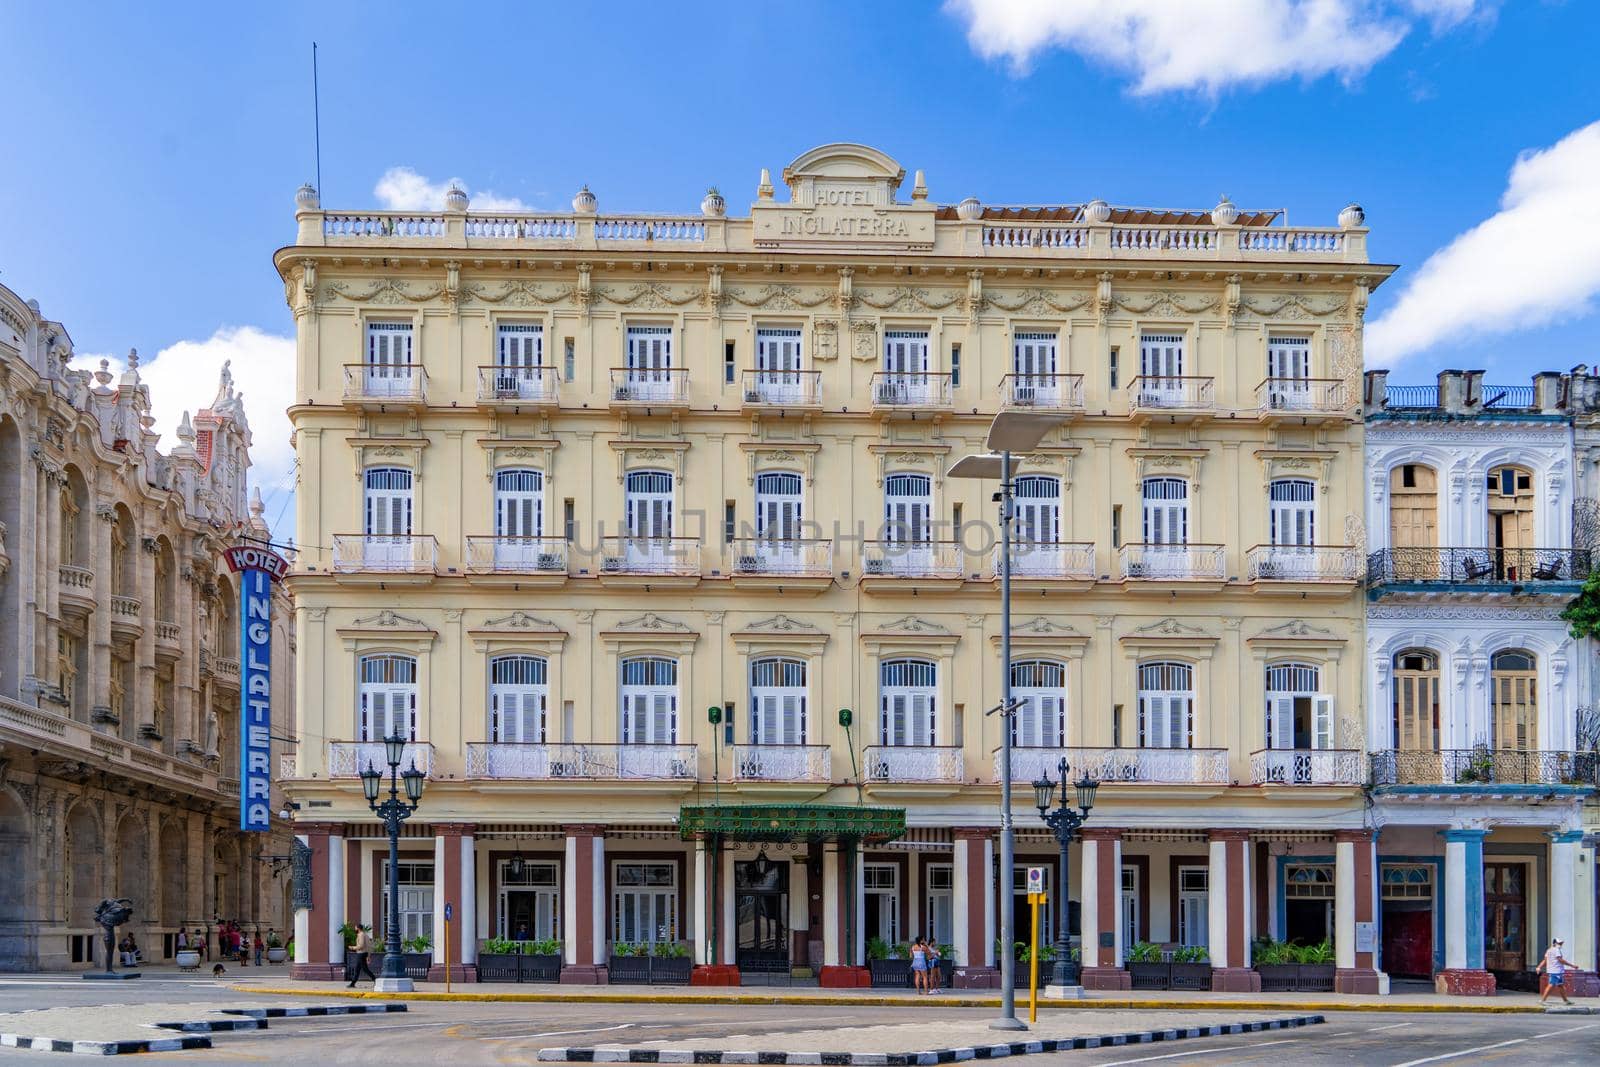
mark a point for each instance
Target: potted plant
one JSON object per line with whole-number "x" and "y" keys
{"x": 1275, "y": 963}
{"x": 1316, "y": 967}
{"x": 670, "y": 963}
{"x": 1191, "y": 967}
{"x": 889, "y": 965}
{"x": 541, "y": 960}
{"x": 276, "y": 953}
{"x": 498, "y": 960}
{"x": 629, "y": 964}
{"x": 417, "y": 953}
{"x": 188, "y": 959}
{"x": 1146, "y": 967}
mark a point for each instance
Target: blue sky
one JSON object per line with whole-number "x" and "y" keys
{"x": 154, "y": 152}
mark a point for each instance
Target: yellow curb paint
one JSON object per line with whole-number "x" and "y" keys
{"x": 898, "y": 1002}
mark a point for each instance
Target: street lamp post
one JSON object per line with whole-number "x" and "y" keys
{"x": 393, "y": 811}
{"x": 1064, "y": 823}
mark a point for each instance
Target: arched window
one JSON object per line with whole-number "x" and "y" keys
{"x": 1294, "y": 511}
{"x": 778, "y": 702}
{"x": 1041, "y": 688}
{"x": 1413, "y": 507}
{"x": 1038, "y": 509}
{"x": 649, "y": 701}
{"x": 1166, "y": 705}
{"x": 779, "y": 507}
{"x": 908, "y": 695}
{"x": 1511, "y": 521}
{"x": 1514, "y": 693}
{"x": 388, "y": 511}
{"x": 1166, "y": 511}
{"x": 388, "y": 691}
{"x": 907, "y": 508}
{"x": 649, "y": 501}
{"x": 518, "y": 700}
{"x": 518, "y": 504}
{"x": 1416, "y": 700}
{"x": 124, "y": 579}
{"x": 1298, "y": 714}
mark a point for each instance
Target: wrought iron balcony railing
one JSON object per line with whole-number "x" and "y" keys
{"x": 536, "y": 762}
{"x": 1049, "y": 559}
{"x": 1302, "y": 563}
{"x": 380, "y": 383}
{"x": 1047, "y": 392}
{"x": 1468, "y": 566}
{"x": 1301, "y": 396}
{"x": 911, "y": 559}
{"x": 782, "y": 763}
{"x": 1166, "y": 766}
{"x": 798, "y": 557}
{"x": 626, "y": 554}
{"x": 517, "y": 555}
{"x": 1484, "y": 766}
{"x": 1145, "y": 562}
{"x": 1170, "y": 393}
{"x": 923, "y": 763}
{"x": 517, "y": 385}
{"x": 347, "y": 759}
{"x": 649, "y": 385}
{"x": 387, "y": 553}
{"x": 1031, "y": 764}
{"x": 782, "y": 388}
{"x": 1307, "y": 766}
{"x": 910, "y": 389}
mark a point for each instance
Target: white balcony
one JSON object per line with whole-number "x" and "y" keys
{"x": 1308, "y": 766}
{"x": 535, "y": 762}
{"x": 1329, "y": 564}
{"x": 416, "y": 554}
{"x": 1031, "y": 764}
{"x": 521, "y": 556}
{"x": 782, "y": 763}
{"x": 383, "y": 385}
{"x": 907, "y": 764}
{"x": 782, "y": 389}
{"x": 1049, "y": 560}
{"x": 1061, "y": 393}
{"x": 347, "y": 759}
{"x": 1171, "y": 563}
{"x": 513, "y": 387}
{"x": 1189, "y": 397}
{"x": 125, "y": 615}
{"x": 910, "y": 391}
{"x": 780, "y": 557}
{"x": 644, "y": 387}
{"x": 941, "y": 560}
{"x": 1161, "y": 766}
{"x": 77, "y": 585}
{"x": 1302, "y": 398}
{"x": 650, "y": 556}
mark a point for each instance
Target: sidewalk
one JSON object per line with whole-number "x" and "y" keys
{"x": 1153, "y": 1001}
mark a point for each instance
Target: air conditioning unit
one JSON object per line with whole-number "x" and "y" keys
{"x": 1270, "y": 568}
{"x": 611, "y": 563}
{"x": 1137, "y": 569}
{"x": 750, "y": 768}
{"x": 879, "y": 772}
{"x": 622, "y": 392}
{"x": 549, "y": 561}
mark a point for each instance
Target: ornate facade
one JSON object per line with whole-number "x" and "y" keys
{"x": 615, "y": 516}
{"x": 119, "y": 669}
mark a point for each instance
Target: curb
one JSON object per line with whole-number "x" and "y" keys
{"x": 213, "y": 1026}
{"x": 769, "y": 999}
{"x": 328, "y": 1009}
{"x": 103, "y": 1048}
{"x": 915, "y": 1059}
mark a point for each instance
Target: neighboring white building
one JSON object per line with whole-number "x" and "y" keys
{"x": 1475, "y": 687}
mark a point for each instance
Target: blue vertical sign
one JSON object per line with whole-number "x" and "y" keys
{"x": 258, "y": 568}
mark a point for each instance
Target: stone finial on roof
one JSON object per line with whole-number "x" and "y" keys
{"x": 919, "y": 186}
{"x": 455, "y": 198}
{"x": 713, "y": 206}
{"x": 585, "y": 202}
{"x": 306, "y": 198}
{"x": 1224, "y": 214}
{"x": 104, "y": 375}
{"x": 1097, "y": 211}
{"x": 257, "y": 508}
{"x": 764, "y": 187}
{"x": 969, "y": 209}
{"x": 1352, "y": 217}
{"x": 130, "y": 377}
{"x": 186, "y": 430}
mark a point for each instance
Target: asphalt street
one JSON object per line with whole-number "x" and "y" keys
{"x": 468, "y": 1033}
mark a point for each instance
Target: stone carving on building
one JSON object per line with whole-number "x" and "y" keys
{"x": 391, "y": 291}
{"x": 912, "y": 624}
{"x": 1037, "y": 301}
{"x": 780, "y": 297}
{"x": 1166, "y": 302}
{"x": 783, "y": 624}
{"x": 520, "y": 293}
{"x": 825, "y": 339}
{"x": 651, "y": 621}
{"x": 649, "y": 295}
{"x": 906, "y": 298}
{"x": 1292, "y": 306}
{"x": 864, "y": 340}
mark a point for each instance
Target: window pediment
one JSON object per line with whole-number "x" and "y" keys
{"x": 780, "y": 633}
{"x": 389, "y": 627}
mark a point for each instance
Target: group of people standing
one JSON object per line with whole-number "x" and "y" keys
{"x": 232, "y": 943}
{"x": 925, "y": 965}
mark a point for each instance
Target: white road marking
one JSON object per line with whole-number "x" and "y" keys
{"x": 559, "y": 1033}
{"x": 1391, "y": 1026}
{"x": 1501, "y": 1044}
{"x": 361, "y": 1026}
{"x": 1200, "y": 1052}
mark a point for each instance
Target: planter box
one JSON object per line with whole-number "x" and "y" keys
{"x": 673, "y": 970}
{"x": 947, "y": 973}
{"x": 188, "y": 960}
{"x": 1296, "y": 977}
{"x": 1192, "y": 976}
{"x": 417, "y": 965}
{"x": 1151, "y": 975}
{"x": 628, "y": 970}
{"x": 890, "y": 974}
{"x": 650, "y": 970}
{"x": 518, "y": 967}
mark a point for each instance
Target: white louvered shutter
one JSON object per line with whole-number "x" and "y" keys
{"x": 1282, "y": 721}
{"x": 1322, "y": 725}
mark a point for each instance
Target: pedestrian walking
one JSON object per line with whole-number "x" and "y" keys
{"x": 260, "y": 947}
{"x": 932, "y": 948}
{"x": 363, "y": 948}
{"x": 919, "y": 965}
{"x": 1554, "y": 967}
{"x": 183, "y": 940}
{"x": 202, "y": 944}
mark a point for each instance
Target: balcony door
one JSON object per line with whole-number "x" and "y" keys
{"x": 908, "y": 696}
{"x": 905, "y": 368}
{"x": 778, "y": 702}
{"x": 1033, "y": 362}
{"x": 1038, "y": 524}
{"x": 1041, "y": 688}
{"x": 389, "y": 370}
{"x": 388, "y": 511}
{"x": 1414, "y": 521}
{"x": 518, "y": 700}
{"x": 1514, "y": 693}
{"x": 1416, "y": 701}
{"x": 1166, "y": 705}
{"x": 649, "y": 518}
{"x": 1298, "y": 716}
{"x": 1166, "y": 527}
{"x": 649, "y": 701}
{"x": 908, "y": 522}
{"x": 518, "y": 517}
{"x": 650, "y": 362}
{"x": 1511, "y": 522}
{"x": 1194, "y": 907}
{"x": 1289, "y": 372}
{"x": 1161, "y": 369}
{"x": 1293, "y": 522}
{"x": 519, "y": 357}
{"x": 779, "y": 379}
{"x": 388, "y": 698}
{"x": 779, "y": 508}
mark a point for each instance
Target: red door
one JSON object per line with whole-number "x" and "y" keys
{"x": 1408, "y": 943}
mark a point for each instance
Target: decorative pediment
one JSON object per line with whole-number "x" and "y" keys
{"x": 388, "y": 627}
{"x": 387, "y": 619}
{"x": 1171, "y": 634}
{"x": 520, "y": 620}
{"x": 916, "y": 456}
{"x": 1039, "y": 624}
{"x": 650, "y": 630}
{"x": 651, "y": 621}
{"x": 518, "y": 629}
{"x": 384, "y": 451}
{"x": 911, "y": 634}
{"x": 1169, "y": 627}
{"x": 782, "y": 624}
{"x": 1042, "y": 634}
{"x": 1298, "y": 635}
{"x": 912, "y": 624}
{"x": 1152, "y": 462}
{"x": 1316, "y": 464}
{"x": 794, "y": 455}
{"x": 780, "y": 632}
{"x": 632, "y": 454}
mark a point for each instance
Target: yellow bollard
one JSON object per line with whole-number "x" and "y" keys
{"x": 447, "y": 955}
{"x": 1033, "y": 960}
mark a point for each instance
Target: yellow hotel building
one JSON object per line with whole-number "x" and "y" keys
{"x": 611, "y": 515}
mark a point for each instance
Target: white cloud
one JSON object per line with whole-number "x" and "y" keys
{"x": 403, "y": 189}
{"x": 1535, "y": 261}
{"x": 1204, "y": 45}
{"x": 183, "y": 377}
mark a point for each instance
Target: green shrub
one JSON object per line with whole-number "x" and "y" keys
{"x": 498, "y": 946}
{"x": 947, "y": 952}
{"x": 669, "y": 950}
{"x": 1322, "y": 952}
{"x": 348, "y": 932}
{"x": 877, "y": 948}
{"x": 545, "y": 946}
{"x": 1190, "y": 954}
{"x": 1144, "y": 952}
{"x": 419, "y": 944}
{"x": 1273, "y": 953}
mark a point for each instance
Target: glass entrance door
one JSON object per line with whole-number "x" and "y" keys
{"x": 1505, "y": 916}
{"x": 762, "y": 936}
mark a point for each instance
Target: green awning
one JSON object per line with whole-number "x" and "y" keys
{"x": 793, "y": 822}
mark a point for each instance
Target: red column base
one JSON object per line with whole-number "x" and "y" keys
{"x": 1578, "y": 984}
{"x": 976, "y": 978}
{"x": 1235, "y": 980}
{"x": 583, "y": 974}
{"x": 715, "y": 974}
{"x": 844, "y": 978}
{"x": 314, "y": 972}
{"x": 1106, "y": 978}
{"x": 459, "y": 972}
{"x": 1356, "y": 980}
{"x": 1464, "y": 983}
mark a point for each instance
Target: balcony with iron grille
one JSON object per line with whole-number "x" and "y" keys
{"x": 782, "y": 764}
{"x": 781, "y": 390}
{"x": 515, "y": 388}
{"x": 1058, "y": 394}
{"x": 517, "y": 560}
{"x": 1179, "y": 399}
{"x": 1308, "y": 766}
{"x": 910, "y": 393}
{"x": 1149, "y": 766}
{"x": 1558, "y": 571}
{"x": 385, "y": 386}
{"x": 1163, "y": 568}
{"x": 626, "y": 559}
{"x": 1048, "y": 564}
{"x": 1484, "y": 769}
{"x": 1304, "y": 400}
{"x": 1303, "y": 569}
{"x": 347, "y": 759}
{"x": 673, "y": 765}
{"x": 889, "y": 565}
{"x": 773, "y": 562}
{"x": 385, "y": 557}
{"x": 647, "y": 388}
{"x": 922, "y": 768}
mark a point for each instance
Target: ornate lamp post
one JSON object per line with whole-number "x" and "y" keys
{"x": 1064, "y": 823}
{"x": 393, "y": 811}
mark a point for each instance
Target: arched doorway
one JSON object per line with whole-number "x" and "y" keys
{"x": 1415, "y": 718}
{"x": 1514, "y": 699}
{"x": 1511, "y": 521}
{"x": 84, "y": 855}
{"x": 1414, "y": 520}
{"x": 15, "y": 880}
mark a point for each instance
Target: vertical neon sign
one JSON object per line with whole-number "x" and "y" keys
{"x": 258, "y": 568}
